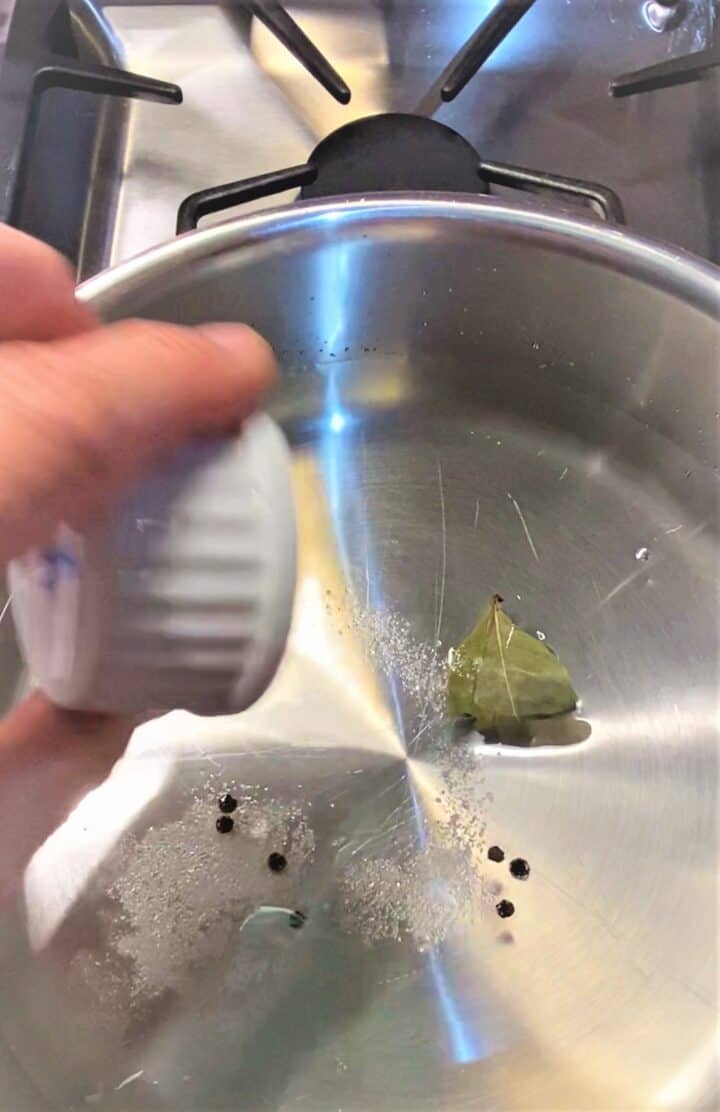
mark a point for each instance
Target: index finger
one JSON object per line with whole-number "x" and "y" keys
{"x": 37, "y": 291}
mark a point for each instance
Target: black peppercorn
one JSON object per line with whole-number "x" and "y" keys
{"x": 496, "y": 854}
{"x": 227, "y": 803}
{"x": 297, "y": 919}
{"x": 505, "y": 909}
{"x": 520, "y": 868}
{"x": 277, "y": 862}
{"x": 224, "y": 824}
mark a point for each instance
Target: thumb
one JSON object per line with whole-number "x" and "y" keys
{"x": 82, "y": 418}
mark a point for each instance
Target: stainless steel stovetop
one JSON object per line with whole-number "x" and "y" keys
{"x": 541, "y": 100}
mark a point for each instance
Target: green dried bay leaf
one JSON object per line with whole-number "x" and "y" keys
{"x": 501, "y": 675}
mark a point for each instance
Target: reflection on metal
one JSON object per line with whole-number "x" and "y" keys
{"x": 528, "y": 377}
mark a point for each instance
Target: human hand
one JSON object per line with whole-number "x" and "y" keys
{"x": 85, "y": 409}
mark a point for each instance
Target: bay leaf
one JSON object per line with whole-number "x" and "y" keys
{"x": 501, "y": 675}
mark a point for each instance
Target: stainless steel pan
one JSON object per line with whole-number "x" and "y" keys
{"x": 480, "y": 398}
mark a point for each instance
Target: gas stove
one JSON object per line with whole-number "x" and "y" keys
{"x": 124, "y": 123}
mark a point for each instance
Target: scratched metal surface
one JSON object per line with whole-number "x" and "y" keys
{"x": 454, "y": 460}
{"x": 458, "y": 428}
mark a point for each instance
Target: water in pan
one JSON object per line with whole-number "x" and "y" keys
{"x": 169, "y": 948}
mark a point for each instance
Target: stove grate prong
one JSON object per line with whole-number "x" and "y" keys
{"x": 283, "y": 26}
{"x": 478, "y": 48}
{"x": 65, "y": 73}
{"x": 676, "y": 71}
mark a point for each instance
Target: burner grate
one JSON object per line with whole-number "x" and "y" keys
{"x": 284, "y": 27}
{"x": 491, "y": 32}
{"x": 676, "y": 71}
{"x": 665, "y": 15}
{"x": 394, "y": 151}
{"x": 42, "y": 54}
{"x": 397, "y": 151}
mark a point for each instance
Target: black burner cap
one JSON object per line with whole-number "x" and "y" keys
{"x": 394, "y": 151}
